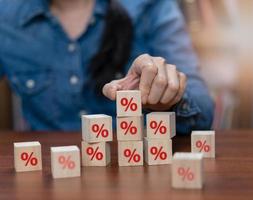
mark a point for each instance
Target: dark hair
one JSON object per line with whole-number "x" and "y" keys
{"x": 115, "y": 46}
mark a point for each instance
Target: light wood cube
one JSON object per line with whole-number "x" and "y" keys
{"x": 65, "y": 161}
{"x": 187, "y": 170}
{"x": 96, "y": 154}
{"x": 128, "y": 103}
{"x": 204, "y": 142}
{"x": 157, "y": 151}
{"x": 130, "y": 153}
{"x": 97, "y": 128}
{"x": 129, "y": 128}
{"x": 161, "y": 125}
{"x": 27, "y": 156}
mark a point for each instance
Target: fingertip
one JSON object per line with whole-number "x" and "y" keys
{"x": 144, "y": 99}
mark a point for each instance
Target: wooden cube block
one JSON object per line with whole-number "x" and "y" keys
{"x": 128, "y": 103}
{"x": 204, "y": 142}
{"x": 187, "y": 170}
{"x": 157, "y": 151}
{"x": 130, "y": 153}
{"x": 129, "y": 128}
{"x": 96, "y": 154}
{"x": 27, "y": 156}
{"x": 97, "y": 128}
{"x": 161, "y": 125}
{"x": 65, "y": 161}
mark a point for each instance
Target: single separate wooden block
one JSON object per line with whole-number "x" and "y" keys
{"x": 129, "y": 128}
{"x": 187, "y": 170}
{"x": 161, "y": 125}
{"x": 128, "y": 103}
{"x": 96, "y": 154}
{"x": 27, "y": 156}
{"x": 65, "y": 161}
{"x": 130, "y": 153}
{"x": 157, "y": 151}
{"x": 204, "y": 142}
{"x": 97, "y": 128}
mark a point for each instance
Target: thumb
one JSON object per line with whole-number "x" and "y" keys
{"x": 110, "y": 89}
{"x": 129, "y": 82}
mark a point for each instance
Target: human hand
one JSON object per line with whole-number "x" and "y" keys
{"x": 161, "y": 85}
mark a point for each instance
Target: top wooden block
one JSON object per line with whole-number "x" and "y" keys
{"x": 161, "y": 125}
{"x": 128, "y": 103}
{"x": 97, "y": 128}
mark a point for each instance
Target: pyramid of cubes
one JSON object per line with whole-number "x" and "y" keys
{"x": 134, "y": 146}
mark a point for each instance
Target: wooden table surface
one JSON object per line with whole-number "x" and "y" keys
{"x": 229, "y": 176}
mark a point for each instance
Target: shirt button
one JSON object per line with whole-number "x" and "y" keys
{"x": 73, "y": 80}
{"x": 71, "y": 47}
{"x": 30, "y": 83}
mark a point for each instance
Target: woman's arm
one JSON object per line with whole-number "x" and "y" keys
{"x": 163, "y": 85}
{"x": 169, "y": 39}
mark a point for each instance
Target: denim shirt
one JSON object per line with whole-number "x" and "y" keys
{"x": 48, "y": 70}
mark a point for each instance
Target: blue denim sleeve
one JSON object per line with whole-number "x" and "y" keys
{"x": 169, "y": 39}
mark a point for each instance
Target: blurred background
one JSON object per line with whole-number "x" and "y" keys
{"x": 222, "y": 35}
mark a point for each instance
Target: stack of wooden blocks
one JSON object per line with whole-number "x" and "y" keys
{"x": 161, "y": 127}
{"x": 96, "y": 134}
{"x": 129, "y": 128}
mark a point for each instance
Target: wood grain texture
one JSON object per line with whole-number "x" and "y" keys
{"x": 228, "y": 176}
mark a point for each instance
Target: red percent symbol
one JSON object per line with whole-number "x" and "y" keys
{"x": 66, "y": 162}
{"x": 158, "y": 153}
{"x": 100, "y": 130}
{"x": 158, "y": 127}
{"x": 94, "y": 153}
{"x": 128, "y": 104}
{"x": 29, "y": 159}
{"x": 202, "y": 146}
{"x": 185, "y": 173}
{"x": 132, "y": 155}
{"x": 128, "y": 127}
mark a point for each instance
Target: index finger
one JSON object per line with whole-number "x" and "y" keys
{"x": 147, "y": 70}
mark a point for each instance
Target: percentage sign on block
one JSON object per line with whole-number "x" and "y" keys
{"x": 29, "y": 159}
{"x": 158, "y": 153}
{"x": 202, "y": 146}
{"x": 99, "y": 130}
{"x": 66, "y": 162}
{"x": 129, "y": 128}
{"x": 128, "y": 104}
{"x": 132, "y": 155}
{"x": 158, "y": 127}
{"x": 185, "y": 173}
{"x": 94, "y": 153}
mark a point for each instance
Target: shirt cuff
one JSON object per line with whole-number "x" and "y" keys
{"x": 187, "y": 107}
